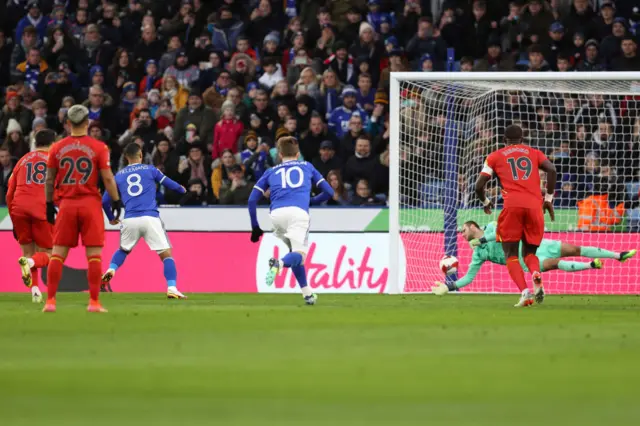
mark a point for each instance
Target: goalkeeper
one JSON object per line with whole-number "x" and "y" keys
{"x": 550, "y": 253}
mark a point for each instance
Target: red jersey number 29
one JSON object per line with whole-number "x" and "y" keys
{"x": 83, "y": 165}
{"x": 520, "y": 164}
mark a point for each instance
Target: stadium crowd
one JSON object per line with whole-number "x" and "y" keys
{"x": 207, "y": 87}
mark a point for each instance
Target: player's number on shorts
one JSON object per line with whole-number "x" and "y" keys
{"x": 286, "y": 177}
{"x": 134, "y": 188}
{"x": 83, "y": 165}
{"x": 522, "y": 164}
{"x": 36, "y": 172}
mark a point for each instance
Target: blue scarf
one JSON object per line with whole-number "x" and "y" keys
{"x": 150, "y": 82}
{"x": 31, "y": 76}
{"x": 94, "y": 115}
{"x": 290, "y": 8}
{"x": 331, "y": 101}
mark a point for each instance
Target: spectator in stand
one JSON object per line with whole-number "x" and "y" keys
{"x": 318, "y": 133}
{"x": 187, "y": 75}
{"x": 536, "y": 21}
{"x": 35, "y": 19}
{"x": 94, "y": 51}
{"x": 272, "y": 73}
{"x": 222, "y": 172}
{"x": 28, "y": 40}
{"x": 237, "y": 192}
{"x": 165, "y": 159}
{"x": 175, "y": 93}
{"x": 32, "y": 71}
{"x": 151, "y": 80}
{"x": 196, "y": 113}
{"x": 341, "y": 196}
{"x": 263, "y": 112}
{"x": 15, "y": 141}
{"x": 341, "y": 63}
{"x": 262, "y": 21}
{"x": 227, "y": 131}
{"x": 481, "y": 30}
{"x": 243, "y": 69}
{"x": 225, "y": 31}
{"x": 340, "y": 117}
{"x": 60, "y": 47}
{"x": 361, "y": 165}
{"x": 536, "y": 62}
{"x": 326, "y": 159}
{"x": 190, "y": 137}
{"x": 557, "y": 44}
{"x": 591, "y": 58}
{"x": 195, "y": 166}
{"x": 308, "y": 84}
{"x": 366, "y": 45}
{"x": 495, "y": 60}
{"x": 282, "y": 96}
{"x": 330, "y": 91}
{"x": 363, "y": 195}
{"x": 349, "y": 140}
{"x": 397, "y": 63}
{"x": 169, "y": 58}
{"x": 196, "y": 194}
{"x": 40, "y": 110}
{"x": 78, "y": 26}
{"x": 604, "y": 22}
{"x": 14, "y": 110}
{"x": 425, "y": 41}
{"x": 149, "y": 48}
{"x": 365, "y": 95}
{"x": 629, "y": 60}
{"x": 255, "y": 157}
{"x": 305, "y": 106}
{"x": 610, "y": 46}
{"x": 6, "y": 167}
{"x": 581, "y": 18}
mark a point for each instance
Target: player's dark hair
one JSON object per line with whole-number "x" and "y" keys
{"x": 513, "y": 135}
{"x": 288, "y": 147}
{"x": 472, "y": 223}
{"x": 132, "y": 150}
{"x": 44, "y": 138}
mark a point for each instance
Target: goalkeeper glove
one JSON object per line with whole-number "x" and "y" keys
{"x": 477, "y": 242}
{"x": 440, "y": 289}
{"x": 256, "y": 233}
{"x": 51, "y": 213}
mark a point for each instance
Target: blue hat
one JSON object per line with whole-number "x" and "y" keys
{"x": 556, "y": 27}
{"x": 391, "y": 40}
{"x": 150, "y": 62}
{"x": 620, "y": 20}
{"x": 425, "y": 57}
{"x": 384, "y": 19}
{"x": 374, "y": 2}
{"x": 252, "y": 85}
{"x": 95, "y": 69}
{"x": 349, "y": 91}
{"x": 129, "y": 87}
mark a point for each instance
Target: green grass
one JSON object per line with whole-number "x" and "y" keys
{"x": 350, "y": 360}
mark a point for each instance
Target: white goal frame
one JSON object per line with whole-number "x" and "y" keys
{"x": 396, "y": 264}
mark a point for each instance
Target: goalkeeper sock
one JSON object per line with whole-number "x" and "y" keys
{"x": 570, "y": 266}
{"x": 118, "y": 259}
{"x": 516, "y": 273}
{"x": 292, "y": 259}
{"x": 94, "y": 275}
{"x": 40, "y": 260}
{"x": 34, "y": 277}
{"x": 170, "y": 271}
{"x": 598, "y": 253}
{"x": 301, "y": 276}
{"x": 54, "y": 274}
{"x": 532, "y": 262}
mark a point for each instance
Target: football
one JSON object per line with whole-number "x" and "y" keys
{"x": 449, "y": 265}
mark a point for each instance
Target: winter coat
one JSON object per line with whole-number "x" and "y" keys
{"x": 204, "y": 119}
{"x": 226, "y": 135}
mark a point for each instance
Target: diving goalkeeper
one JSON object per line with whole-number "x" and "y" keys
{"x": 550, "y": 253}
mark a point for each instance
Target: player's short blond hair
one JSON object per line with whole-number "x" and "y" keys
{"x": 288, "y": 147}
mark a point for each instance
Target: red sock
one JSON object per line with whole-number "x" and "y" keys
{"x": 532, "y": 262}
{"x": 516, "y": 273}
{"x": 94, "y": 274}
{"x": 40, "y": 260}
{"x": 54, "y": 274}
{"x": 34, "y": 277}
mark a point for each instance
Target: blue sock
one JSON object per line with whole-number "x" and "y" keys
{"x": 292, "y": 260}
{"x": 118, "y": 259}
{"x": 300, "y": 274}
{"x": 170, "y": 271}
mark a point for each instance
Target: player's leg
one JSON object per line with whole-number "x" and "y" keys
{"x": 569, "y": 250}
{"x": 65, "y": 236}
{"x": 24, "y": 236}
{"x": 43, "y": 237}
{"x": 158, "y": 240}
{"x": 92, "y": 230}
{"x": 28, "y": 250}
{"x": 129, "y": 237}
{"x": 298, "y": 235}
{"x": 533, "y": 234}
{"x": 54, "y": 275}
{"x": 509, "y": 233}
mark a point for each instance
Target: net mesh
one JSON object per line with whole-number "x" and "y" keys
{"x": 589, "y": 129}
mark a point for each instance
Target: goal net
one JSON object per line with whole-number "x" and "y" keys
{"x": 444, "y": 125}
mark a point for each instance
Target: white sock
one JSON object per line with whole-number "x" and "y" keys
{"x": 35, "y": 290}
{"x": 306, "y": 291}
{"x": 31, "y": 263}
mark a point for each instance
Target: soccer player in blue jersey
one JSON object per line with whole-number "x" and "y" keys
{"x": 137, "y": 186}
{"x": 290, "y": 184}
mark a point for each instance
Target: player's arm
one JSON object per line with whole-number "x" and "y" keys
{"x": 489, "y": 235}
{"x": 168, "y": 183}
{"x": 11, "y": 190}
{"x": 548, "y": 167}
{"x": 474, "y": 267}
{"x": 104, "y": 164}
{"x": 106, "y": 206}
{"x": 256, "y": 194}
{"x": 323, "y": 185}
{"x": 49, "y": 188}
{"x": 485, "y": 176}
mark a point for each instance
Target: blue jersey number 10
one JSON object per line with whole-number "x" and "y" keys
{"x": 286, "y": 177}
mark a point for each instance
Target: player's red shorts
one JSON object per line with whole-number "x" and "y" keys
{"x": 32, "y": 230}
{"x": 521, "y": 223}
{"x": 79, "y": 217}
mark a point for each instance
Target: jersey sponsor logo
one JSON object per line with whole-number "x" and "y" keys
{"x": 76, "y": 146}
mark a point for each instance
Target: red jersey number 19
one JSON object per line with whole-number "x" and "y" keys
{"x": 520, "y": 164}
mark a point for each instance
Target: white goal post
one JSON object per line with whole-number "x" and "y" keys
{"x": 444, "y": 124}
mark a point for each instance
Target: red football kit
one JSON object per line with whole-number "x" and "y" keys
{"x": 79, "y": 160}
{"x": 517, "y": 167}
{"x": 26, "y": 201}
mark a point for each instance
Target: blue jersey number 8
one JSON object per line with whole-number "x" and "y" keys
{"x": 285, "y": 176}
{"x": 134, "y": 188}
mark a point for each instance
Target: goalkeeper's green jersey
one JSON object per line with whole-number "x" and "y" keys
{"x": 492, "y": 252}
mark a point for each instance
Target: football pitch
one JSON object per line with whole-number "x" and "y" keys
{"x": 350, "y": 360}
